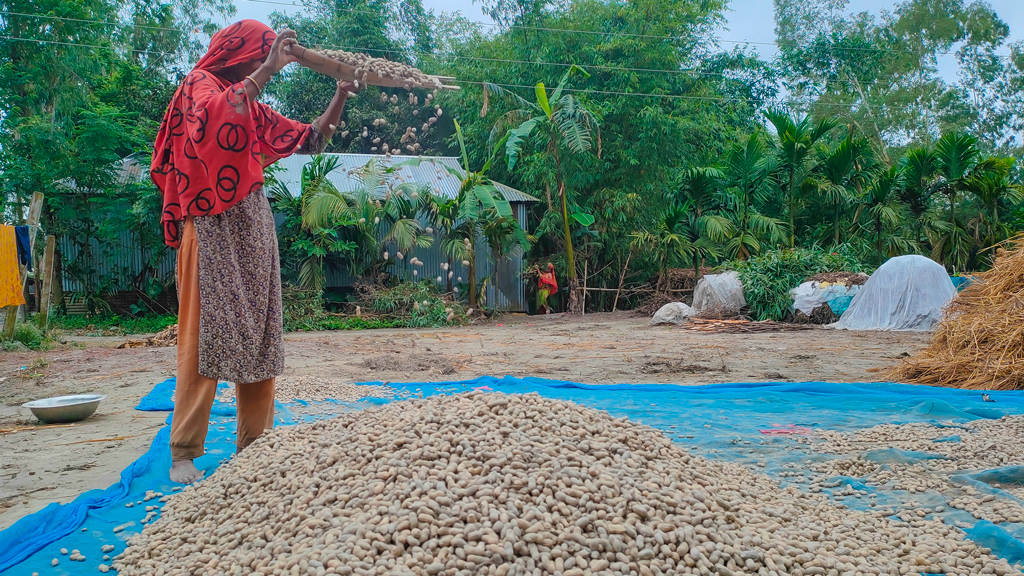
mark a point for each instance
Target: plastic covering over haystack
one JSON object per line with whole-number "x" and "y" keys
{"x": 808, "y": 296}
{"x": 672, "y": 313}
{"x": 905, "y": 293}
{"x": 719, "y": 295}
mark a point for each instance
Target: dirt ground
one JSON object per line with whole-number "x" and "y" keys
{"x": 56, "y": 464}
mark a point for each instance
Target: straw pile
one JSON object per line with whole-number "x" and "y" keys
{"x": 980, "y": 342}
{"x": 167, "y": 337}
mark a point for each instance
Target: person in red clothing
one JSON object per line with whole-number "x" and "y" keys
{"x": 208, "y": 162}
{"x": 546, "y": 286}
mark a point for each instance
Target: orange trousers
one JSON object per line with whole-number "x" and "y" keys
{"x": 194, "y": 393}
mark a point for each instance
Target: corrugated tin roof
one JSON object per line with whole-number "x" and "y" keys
{"x": 430, "y": 172}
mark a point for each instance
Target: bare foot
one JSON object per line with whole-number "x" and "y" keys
{"x": 185, "y": 472}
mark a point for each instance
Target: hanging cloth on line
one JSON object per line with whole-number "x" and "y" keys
{"x": 10, "y": 274}
{"x": 24, "y": 247}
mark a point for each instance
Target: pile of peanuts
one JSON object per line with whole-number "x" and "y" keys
{"x": 317, "y": 389}
{"x": 411, "y": 76}
{"x": 496, "y": 484}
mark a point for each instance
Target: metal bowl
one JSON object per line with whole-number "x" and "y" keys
{"x": 61, "y": 409}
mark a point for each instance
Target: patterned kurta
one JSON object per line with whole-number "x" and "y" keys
{"x": 240, "y": 316}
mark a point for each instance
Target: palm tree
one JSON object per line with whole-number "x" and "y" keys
{"x": 705, "y": 229}
{"x": 750, "y": 178}
{"x": 881, "y": 203}
{"x": 678, "y": 237}
{"x": 371, "y": 223}
{"x": 991, "y": 186}
{"x": 920, "y": 166}
{"x": 504, "y": 236}
{"x": 795, "y": 144}
{"x": 839, "y": 175}
{"x": 561, "y": 123}
{"x": 956, "y": 157}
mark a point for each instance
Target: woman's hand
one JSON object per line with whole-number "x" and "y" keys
{"x": 347, "y": 89}
{"x": 279, "y": 57}
{"x": 328, "y": 121}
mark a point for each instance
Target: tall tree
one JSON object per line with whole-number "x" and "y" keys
{"x": 839, "y": 177}
{"x": 560, "y": 125}
{"x": 750, "y": 177}
{"x": 794, "y": 143}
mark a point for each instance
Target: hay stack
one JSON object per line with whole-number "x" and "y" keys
{"x": 979, "y": 343}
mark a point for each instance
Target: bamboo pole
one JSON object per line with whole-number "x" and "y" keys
{"x": 35, "y": 210}
{"x": 622, "y": 279}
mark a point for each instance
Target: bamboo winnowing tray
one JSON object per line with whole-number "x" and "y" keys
{"x": 324, "y": 64}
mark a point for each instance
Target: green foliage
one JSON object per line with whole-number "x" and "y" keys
{"x": 418, "y": 304}
{"x": 113, "y": 325}
{"x": 29, "y": 335}
{"x": 767, "y": 279}
{"x": 333, "y": 322}
{"x": 869, "y": 148}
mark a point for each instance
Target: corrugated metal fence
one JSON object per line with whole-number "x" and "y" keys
{"x": 114, "y": 263}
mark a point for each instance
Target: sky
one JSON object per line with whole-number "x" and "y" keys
{"x": 748, "y": 20}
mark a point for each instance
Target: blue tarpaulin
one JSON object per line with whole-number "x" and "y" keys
{"x": 745, "y": 423}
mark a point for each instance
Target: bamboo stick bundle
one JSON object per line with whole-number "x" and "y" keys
{"x": 979, "y": 344}
{"x": 350, "y": 66}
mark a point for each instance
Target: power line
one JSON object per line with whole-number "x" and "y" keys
{"x": 478, "y": 82}
{"x": 456, "y": 56}
{"x": 625, "y": 34}
{"x": 101, "y": 47}
{"x": 523, "y": 86}
{"x": 69, "y": 19}
{"x": 622, "y": 68}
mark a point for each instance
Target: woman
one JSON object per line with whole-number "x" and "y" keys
{"x": 546, "y": 286}
{"x": 210, "y": 153}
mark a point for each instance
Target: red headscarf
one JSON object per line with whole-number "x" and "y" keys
{"x": 214, "y": 143}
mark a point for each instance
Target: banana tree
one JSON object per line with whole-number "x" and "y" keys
{"x": 795, "y": 145}
{"x": 559, "y": 124}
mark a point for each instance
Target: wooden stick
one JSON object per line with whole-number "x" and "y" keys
{"x": 9, "y": 430}
{"x": 622, "y": 278}
{"x": 44, "y": 292}
{"x": 114, "y": 439}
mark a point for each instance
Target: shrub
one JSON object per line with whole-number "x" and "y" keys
{"x": 418, "y": 304}
{"x": 28, "y": 335}
{"x": 768, "y": 278}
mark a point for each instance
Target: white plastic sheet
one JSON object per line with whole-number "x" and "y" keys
{"x": 905, "y": 293}
{"x": 808, "y": 296}
{"x": 671, "y": 313}
{"x": 719, "y": 294}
